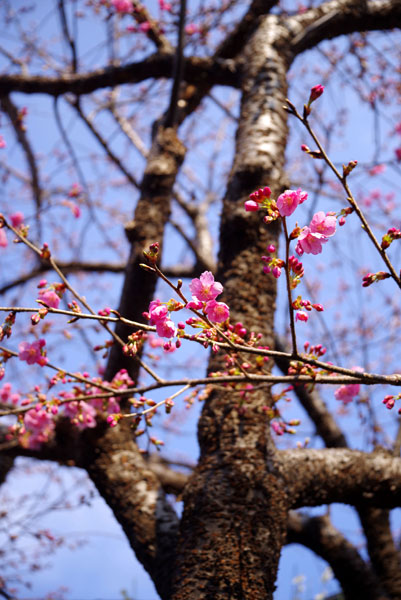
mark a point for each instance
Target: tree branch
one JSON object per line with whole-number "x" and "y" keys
{"x": 342, "y": 475}
{"x": 196, "y": 70}
{"x": 341, "y": 17}
{"x": 319, "y": 535}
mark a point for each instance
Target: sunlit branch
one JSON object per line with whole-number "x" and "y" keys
{"x": 196, "y": 70}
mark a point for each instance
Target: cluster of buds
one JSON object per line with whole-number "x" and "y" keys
{"x": 297, "y": 269}
{"x": 343, "y": 214}
{"x": 389, "y": 402}
{"x": 6, "y": 327}
{"x": 301, "y": 305}
{"x": 372, "y": 277}
{"x": 262, "y": 199}
{"x": 314, "y": 351}
{"x": 272, "y": 263}
{"x": 391, "y": 235}
{"x": 37, "y": 317}
{"x": 134, "y": 343}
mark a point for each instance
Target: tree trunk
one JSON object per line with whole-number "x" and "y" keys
{"x": 235, "y": 515}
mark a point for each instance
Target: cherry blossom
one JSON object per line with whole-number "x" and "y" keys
{"x": 310, "y": 242}
{"x": 205, "y": 288}
{"x": 34, "y": 353}
{"x": 217, "y": 312}
{"x": 122, "y": 6}
{"x": 288, "y": 201}
{"x": 49, "y": 297}
{"x": 324, "y": 224}
{"x": 165, "y": 328}
{"x": 16, "y": 219}
{"x": 346, "y": 393}
{"x": 38, "y": 427}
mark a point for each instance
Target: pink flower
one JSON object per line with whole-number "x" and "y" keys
{"x": 301, "y": 315}
{"x": 3, "y": 239}
{"x": 289, "y": 200}
{"x": 205, "y": 288}
{"x": 194, "y": 304}
{"x": 158, "y": 312}
{"x": 122, "y": 6}
{"x": 315, "y": 93}
{"x": 346, "y": 393}
{"x": 165, "y": 328}
{"x": 34, "y": 353}
{"x": 49, "y": 297}
{"x": 16, "y": 219}
{"x": 398, "y": 153}
{"x": 217, "y": 312}
{"x": 324, "y": 224}
{"x": 251, "y": 206}
{"x": 165, "y": 5}
{"x": 2, "y": 142}
{"x": 377, "y": 169}
{"x": 38, "y": 427}
{"x": 310, "y": 242}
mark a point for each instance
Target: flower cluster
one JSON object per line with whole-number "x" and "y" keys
{"x": 302, "y": 305}
{"x": 321, "y": 228}
{"x": 37, "y": 425}
{"x": 51, "y": 295}
{"x": 204, "y": 293}
{"x": 34, "y": 353}
{"x": 272, "y": 263}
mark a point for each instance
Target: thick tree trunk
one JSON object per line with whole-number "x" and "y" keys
{"x": 235, "y": 516}
{"x": 151, "y": 215}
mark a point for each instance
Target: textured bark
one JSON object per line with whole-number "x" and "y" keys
{"x": 235, "y": 514}
{"x": 384, "y": 555}
{"x": 342, "y": 475}
{"x": 136, "y": 498}
{"x": 353, "y": 574}
{"x": 151, "y": 215}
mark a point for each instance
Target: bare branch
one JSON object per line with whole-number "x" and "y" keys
{"x": 196, "y": 70}
{"x": 339, "y": 17}
{"x": 319, "y": 534}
